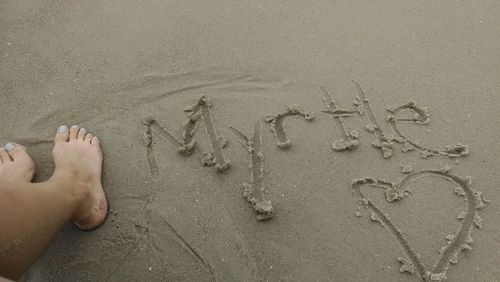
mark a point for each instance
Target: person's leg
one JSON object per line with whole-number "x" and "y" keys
{"x": 32, "y": 213}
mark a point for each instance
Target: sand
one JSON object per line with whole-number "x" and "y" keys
{"x": 374, "y": 188}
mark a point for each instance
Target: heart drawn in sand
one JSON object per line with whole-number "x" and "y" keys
{"x": 458, "y": 242}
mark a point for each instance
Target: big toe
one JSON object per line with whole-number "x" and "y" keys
{"x": 17, "y": 152}
{"x": 17, "y": 164}
{"x": 4, "y": 156}
{"x": 62, "y": 134}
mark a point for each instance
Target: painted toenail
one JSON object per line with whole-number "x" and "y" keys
{"x": 62, "y": 129}
{"x": 10, "y": 146}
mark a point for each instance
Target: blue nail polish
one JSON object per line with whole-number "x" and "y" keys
{"x": 62, "y": 129}
{"x": 10, "y": 146}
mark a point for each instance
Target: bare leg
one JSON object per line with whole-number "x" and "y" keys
{"x": 32, "y": 213}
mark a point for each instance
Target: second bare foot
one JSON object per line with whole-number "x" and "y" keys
{"x": 78, "y": 159}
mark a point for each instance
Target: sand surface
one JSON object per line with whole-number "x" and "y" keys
{"x": 127, "y": 70}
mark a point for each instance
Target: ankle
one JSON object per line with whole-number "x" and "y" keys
{"x": 75, "y": 191}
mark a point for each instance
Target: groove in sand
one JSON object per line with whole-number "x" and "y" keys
{"x": 349, "y": 141}
{"x": 276, "y": 122}
{"x": 383, "y": 142}
{"x": 462, "y": 240}
{"x": 202, "y": 109}
{"x": 253, "y": 192}
{"x": 153, "y": 166}
{"x": 421, "y": 117}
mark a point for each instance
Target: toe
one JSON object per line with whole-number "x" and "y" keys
{"x": 73, "y": 132}
{"x": 5, "y": 156}
{"x": 62, "y": 134}
{"x": 20, "y": 166}
{"x": 16, "y": 151}
{"x": 95, "y": 141}
{"x": 81, "y": 134}
{"x": 88, "y": 137}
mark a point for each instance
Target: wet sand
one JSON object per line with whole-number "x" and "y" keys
{"x": 373, "y": 188}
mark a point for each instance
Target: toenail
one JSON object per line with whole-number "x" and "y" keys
{"x": 74, "y": 126}
{"x": 62, "y": 129}
{"x": 10, "y": 146}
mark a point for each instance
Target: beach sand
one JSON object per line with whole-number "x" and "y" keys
{"x": 127, "y": 70}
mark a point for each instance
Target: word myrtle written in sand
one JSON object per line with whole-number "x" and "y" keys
{"x": 254, "y": 191}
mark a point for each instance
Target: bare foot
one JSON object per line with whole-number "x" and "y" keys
{"x": 15, "y": 163}
{"x": 78, "y": 158}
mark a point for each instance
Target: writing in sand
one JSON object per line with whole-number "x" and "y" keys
{"x": 254, "y": 191}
